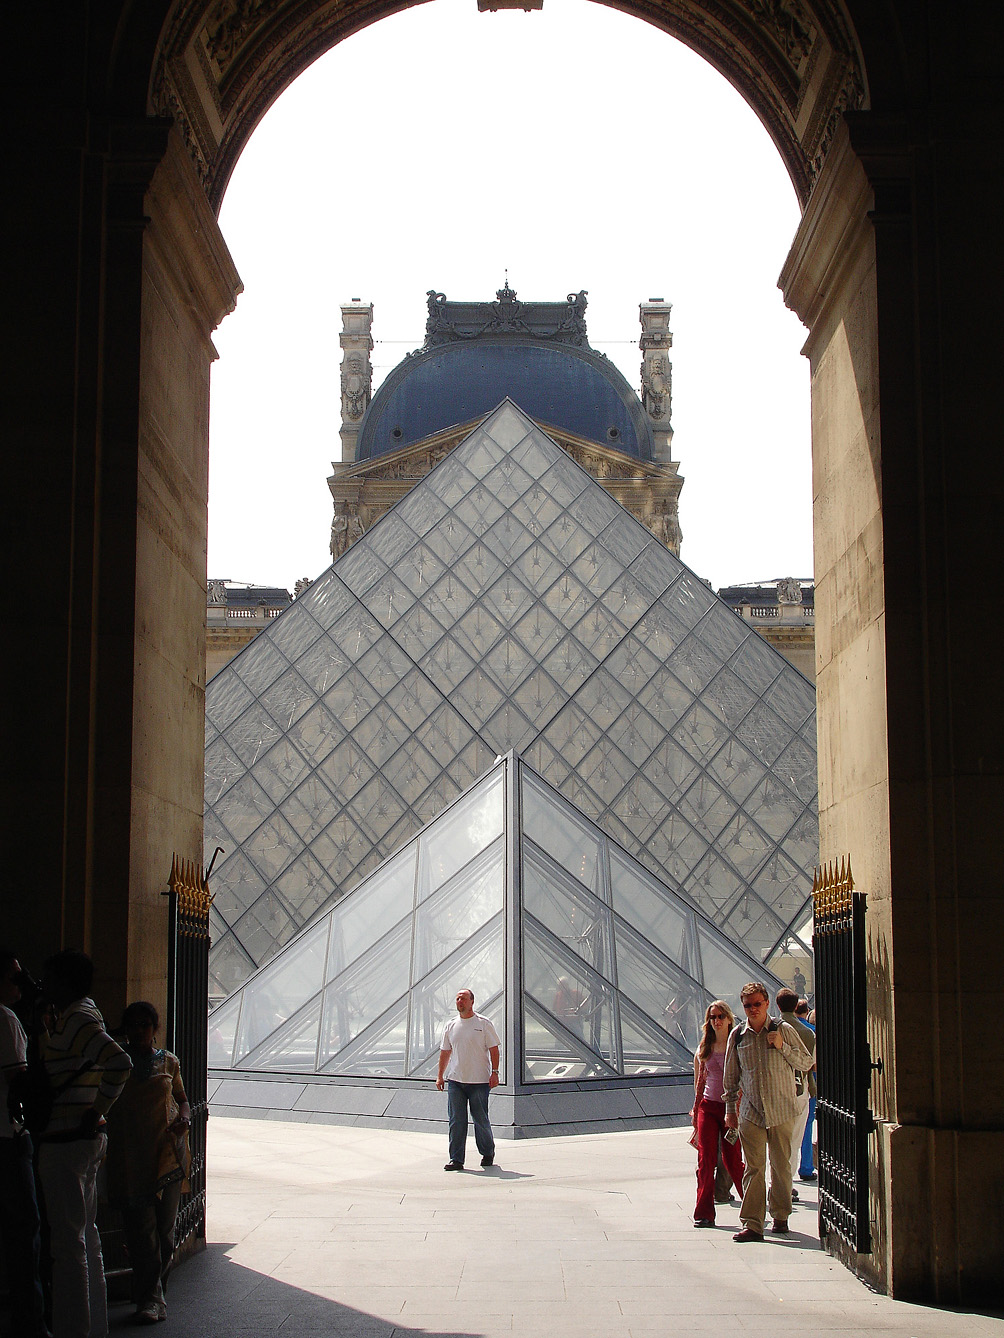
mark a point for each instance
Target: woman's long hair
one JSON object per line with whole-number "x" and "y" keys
{"x": 708, "y": 1039}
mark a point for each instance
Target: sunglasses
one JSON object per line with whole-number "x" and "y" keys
{"x": 718, "y": 1017}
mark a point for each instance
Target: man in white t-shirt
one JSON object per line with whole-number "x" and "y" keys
{"x": 469, "y": 1067}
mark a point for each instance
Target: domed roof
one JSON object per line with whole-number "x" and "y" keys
{"x": 477, "y": 354}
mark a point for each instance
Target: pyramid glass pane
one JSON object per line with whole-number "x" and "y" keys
{"x": 616, "y": 968}
{"x": 507, "y": 602}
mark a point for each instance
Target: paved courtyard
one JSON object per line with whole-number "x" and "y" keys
{"x": 359, "y": 1232}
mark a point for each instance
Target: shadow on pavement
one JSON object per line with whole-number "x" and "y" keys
{"x": 214, "y": 1297}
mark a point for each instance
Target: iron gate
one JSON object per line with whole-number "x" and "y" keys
{"x": 187, "y": 1037}
{"x": 843, "y": 1057}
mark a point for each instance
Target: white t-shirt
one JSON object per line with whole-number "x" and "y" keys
{"x": 470, "y": 1039}
{"x": 13, "y": 1053}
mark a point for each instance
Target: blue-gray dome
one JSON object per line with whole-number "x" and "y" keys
{"x": 477, "y": 354}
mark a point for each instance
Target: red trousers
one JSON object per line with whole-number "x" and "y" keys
{"x": 711, "y": 1129}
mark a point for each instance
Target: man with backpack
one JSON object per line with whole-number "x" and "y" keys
{"x": 760, "y": 1062}
{"x": 86, "y": 1070}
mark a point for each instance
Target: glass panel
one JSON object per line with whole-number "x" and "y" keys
{"x": 380, "y": 735}
{"x": 243, "y": 808}
{"x": 792, "y": 697}
{"x": 326, "y": 600}
{"x": 723, "y": 632}
{"x": 506, "y": 428}
{"x": 508, "y": 482}
{"x": 561, "y": 982}
{"x": 305, "y": 887}
{"x": 563, "y": 835}
{"x": 756, "y": 663}
{"x": 508, "y": 600}
{"x": 648, "y": 1051}
{"x": 421, "y": 509}
{"x": 659, "y": 989}
{"x": 640, "y": 806}
{"x": 580, "y": 921}
{"x": 294, "y": 629}
{"x": 379, "y": 1052}
{"x": 479, "y": 966}
{"x": 449, "y": 599}
{"x": 315, "y": 733}
{"x": 553, "y": 1058}
{"x": 462, "y": 833}
{"x": 360, "y": 995}
{"x": 230, "y": 967}
{"x": 272, "y": 846}
{"x": 596, "y": 569}
{"x": 417, "y": 631}
{"x": 276, "y": 994}
{"x": 450, "y": 916}
{"x": 647, "y": 905}
{"x": 252, "y": 734}
{"x": 223, "y": 767}
{"x": 539, "y": 631}
{"x": 722, "y": 967}
{"x": 376, "y": 808}
{"x": 222, "y": 1030}
{"x": 290, "y": 1049}
{"x": 236, "y": 886}
{"x": 390, "y": 538}
{"x": 728, "y": 697}
{"x": 373, "y": 909}
{"x": 279, "y": 770}
{"x": 310, "y": 808}
{"x": 262, "y": 668}
{"x": 764, "y": 734}
{"x": 797, "y": 766}
{"x": 706, "y": 807}
{"x": 265, "y": 928}
{"x": 625, "y": 538}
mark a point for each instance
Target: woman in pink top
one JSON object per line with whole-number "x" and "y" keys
{"x": 709, "y": 1111}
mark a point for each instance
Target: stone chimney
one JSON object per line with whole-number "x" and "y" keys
{"x": 657, "y": 374}
{"x": 357, "y": 372}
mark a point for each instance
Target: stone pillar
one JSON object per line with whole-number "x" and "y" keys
{"x": 657, "y": 374}
{"x": 906, "y": 486}
{"x": 357, "y": 372}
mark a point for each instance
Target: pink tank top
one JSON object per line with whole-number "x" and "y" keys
{"x": 714, "y": 1077}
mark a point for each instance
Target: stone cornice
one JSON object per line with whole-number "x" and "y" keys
{"x": 829, "y": 240}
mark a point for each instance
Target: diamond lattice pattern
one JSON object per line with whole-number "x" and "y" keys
{"x": 507, "y": 602}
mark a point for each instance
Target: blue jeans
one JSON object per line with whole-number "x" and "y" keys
{"x": 807, "y": 1166}
{"x": 460, "y": 1095}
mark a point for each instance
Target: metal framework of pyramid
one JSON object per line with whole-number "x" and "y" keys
{"x": 594, "y": 973}
{"x": 507, "y": 602}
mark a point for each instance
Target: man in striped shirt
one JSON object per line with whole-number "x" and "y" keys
{"x": 86, "y": 1070}
{"x": 760, "y": 1062}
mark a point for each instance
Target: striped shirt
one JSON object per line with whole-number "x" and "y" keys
{"x": 765, "y": 1076}
{"x": 79, "y": 1038}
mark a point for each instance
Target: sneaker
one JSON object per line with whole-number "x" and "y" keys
{"x": 704, "y": 1221}
{"x": 488, "y": 1161}
{"x": 779, "y": 1228}
{"x": 454, "y": 1166}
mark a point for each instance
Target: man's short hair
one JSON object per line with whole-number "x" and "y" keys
{"x": 754, "y": 987}
{"x": 802, "y": 1008}
{"x": 786, "y": 1000}
{"x": 467, "y": 990}
{"x": 73, "y": 969}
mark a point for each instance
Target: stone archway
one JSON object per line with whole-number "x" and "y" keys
{"x": 122, "y": 134}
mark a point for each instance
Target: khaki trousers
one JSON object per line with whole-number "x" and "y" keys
{"x": 757, "y": 1144}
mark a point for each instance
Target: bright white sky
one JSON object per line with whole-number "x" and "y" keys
{"x": 575, "y": 148}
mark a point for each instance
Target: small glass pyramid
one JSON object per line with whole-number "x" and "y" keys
{"x": 507, "y": 602}
{"x": 587, "y": 964}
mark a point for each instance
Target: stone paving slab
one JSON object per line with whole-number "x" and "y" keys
{"x": 358, "y": 1233}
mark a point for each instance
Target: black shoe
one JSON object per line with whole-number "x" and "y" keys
{"x": 808, "y": 1178}
{"x": 488, "y": 1161}
{"x": 704, "y": 1221}
{"x": 454, "y": 1166}
{"x": 794, "y": 1196}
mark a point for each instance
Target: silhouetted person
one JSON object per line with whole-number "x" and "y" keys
{"x": 19, "y": 1219}
{"x": 87, "y": 1070}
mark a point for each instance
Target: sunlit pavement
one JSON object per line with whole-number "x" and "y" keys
{"x": 325, "y": 1230}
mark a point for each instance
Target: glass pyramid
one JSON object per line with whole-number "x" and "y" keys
{"x": 589, "y": 967}
{"x": 507, "y": 602}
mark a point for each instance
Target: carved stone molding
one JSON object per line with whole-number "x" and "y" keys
{"x": 223, "y": 62}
